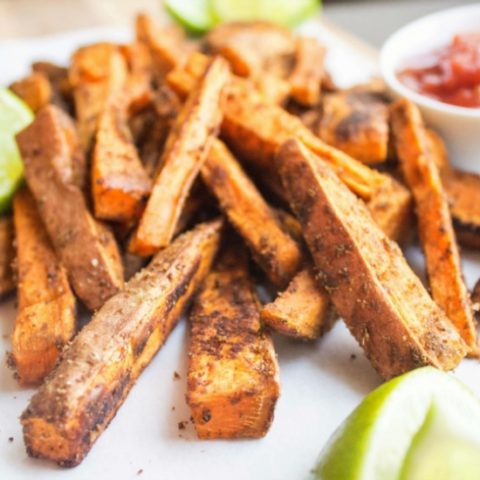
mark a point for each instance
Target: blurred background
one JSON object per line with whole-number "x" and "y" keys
{"x": 371, "y": 20}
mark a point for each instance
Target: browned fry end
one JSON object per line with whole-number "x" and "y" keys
{"x": 303, "y": 311}
{"x": 102, "y": 364}
{"x": 35, "y": 90}
{"x": 434, "y": 221}
{"x": 233, "y": 376}
{"x": 7, "y": 255}
{"x": 383, "y": 303}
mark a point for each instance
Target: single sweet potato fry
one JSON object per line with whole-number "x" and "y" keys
{"x": 62, "y": 94}
{"x": 306, "y": 78}
{"x": 35, "y": 90}
{"x": 96, "y": 373}
{"x": 381, "y": 300}
{"x": 86, "y": 248}
{"x": 434, "y": 221}
{"x": 46, "y": 306}
{"x": 233, "y": 376}
{"x": 120, "y": 184}
{"x": 7, "y": 256}
{"x": 272, "y": 247}
{"x": 476, "y": 296}
{"x": 185, "y": 151}
{"x": 96, "y": 72}
{"x": 303, "y": 311}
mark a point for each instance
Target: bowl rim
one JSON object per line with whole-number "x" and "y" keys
{"x": 388, "y": 72}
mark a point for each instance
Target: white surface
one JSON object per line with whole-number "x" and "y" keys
{"x": 459, "y": 126}
{"x": 321, "y": 383}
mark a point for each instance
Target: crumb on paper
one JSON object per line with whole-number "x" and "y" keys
{"x": 181, "y": 425}
{"x": 176, "y": 376}
{"x": 140, "y": 471}
{"x": 173, "y": 409}
{"x": 353, "y": 356}
{"x": 10, "y": 439}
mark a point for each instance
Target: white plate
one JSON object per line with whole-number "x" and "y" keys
{"x": 322, "y": 382}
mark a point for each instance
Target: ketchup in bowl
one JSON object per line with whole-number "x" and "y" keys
{"x": 450, "y": 74}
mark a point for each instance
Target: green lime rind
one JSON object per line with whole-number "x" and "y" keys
{"x": 15, "y": 115}
{"x": 287, "y": 13}
{"x": 195, "y": 16}
{"x": 374, "y": 440}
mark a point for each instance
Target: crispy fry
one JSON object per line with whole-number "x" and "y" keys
{"x": 102, "y": 364}
{"x": 434, "y": 222}
{"x": 233, "y": 376}
{"x": 271, "y": 246}
{"x": 356, "y": 122}
{"x": 476, "y": 296}
{"x": 303, "y": 311}
{"x": 463, "y": 192}
{"x": 383, "y": 303}
{"x": 85, "y": 247}
{"x": 272, "y": 88}
{"x": 46, "y": 319}
{"x": 7, "y": 256}
{"x": 139, "y": 63}
{"x": 120, "y": 184}
{"x": 167, "y": 45}
{"x": 306, "y": 78}
{"x": 96, "y": 72}
{"x": 185, "y": 151}
{"x": 34, "y": 90}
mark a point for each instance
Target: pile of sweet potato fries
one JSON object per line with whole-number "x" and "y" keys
{"x": 169, "y": 173}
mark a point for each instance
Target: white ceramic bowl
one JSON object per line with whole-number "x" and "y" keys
{"x": 459, "y": 126}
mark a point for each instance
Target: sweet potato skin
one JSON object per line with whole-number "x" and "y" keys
{"x": 95, "y": 73}
{"x": 120, "y": 184}
{"x": 303, "y": 311}
{"x": 185, "y": 151}
{"x": 272, "y": 247}
{"x": 46, "y": 319}
{"x": 383, "y": 303}
{"x": 233, "y": 376}
{"x": 96, "y": 373}
{"x": 86, "y": 248}
{"x": 306, "y": 77}
{"x": 434, "y": 222}
{"x": 7, "y": 256}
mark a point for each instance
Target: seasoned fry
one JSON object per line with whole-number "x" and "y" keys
{"x": 271, "y": 246}
{"x": 139, "y": 63}
{"x": 34, "y": 90}
{"x": 7, "y": 255}
{"x": 185, "y": 151}
{"x": 272, "y": 88}
{"x": 463, "y": 192}
{"x": 434, "y": 222}
{"x": 356, "y": 122}
{"x": 383, "y": 303}
{"x": 303, "y": 311}
{"x": 233, "y": 376}
{"x": 46, "y": 319}
{"x": 166, "y": 45}
{"x": 102, "y": 364}
{"x": 96, "y": 72}
{"x": 85, "y": 247}
{"x": 306, "y": 78}
{"x": 476, "y": 296}
{"x": 120, "y": 184}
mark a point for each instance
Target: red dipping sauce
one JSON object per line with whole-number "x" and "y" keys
{"x": 450, "y": 74}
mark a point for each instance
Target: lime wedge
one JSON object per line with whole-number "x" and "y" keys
{"x": 412, "y": 427}
{"x": 284, "y": 12}
{"x": 14, "y": 116}
{"x": 194, "y": 15}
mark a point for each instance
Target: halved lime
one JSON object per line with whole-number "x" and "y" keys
{"x": 284, "y": 12}
{"x": 194, "y": 15}
{"x": 14, "y": 116}
{"x": 419, "y": 426}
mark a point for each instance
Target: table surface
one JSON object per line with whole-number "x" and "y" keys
{"x": 371, "y": 20}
